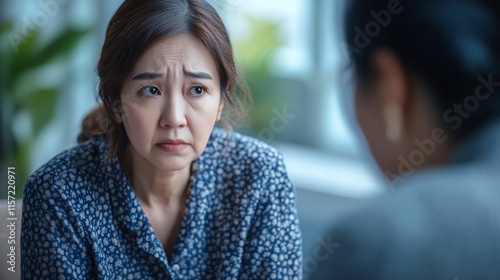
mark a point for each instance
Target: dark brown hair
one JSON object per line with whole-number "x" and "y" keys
{"x": 137, "y": 26}
{"x": 451, "y": 46}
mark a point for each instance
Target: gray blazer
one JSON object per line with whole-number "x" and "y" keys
{"x": 442, "y": 223}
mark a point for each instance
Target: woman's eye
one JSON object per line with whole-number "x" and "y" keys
{"x": 150, "y": 91}
{"x": 197, "y": 91}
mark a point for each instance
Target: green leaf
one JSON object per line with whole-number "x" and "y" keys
{"x": 61, "y": 46}
{"x": 29, "y": 57}
{"x": 255, "y": 50}
{"x": 5, "y": 127}
{"x": 5, "y": 27}
{"x": 41, "y": 107}
{"x": 22, "y": 56}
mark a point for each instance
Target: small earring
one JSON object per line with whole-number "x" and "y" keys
{"x": 393, "y": 117}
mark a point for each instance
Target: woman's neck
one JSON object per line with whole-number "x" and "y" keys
{"x": 153, "y": 186}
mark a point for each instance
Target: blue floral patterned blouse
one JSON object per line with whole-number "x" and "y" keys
{"x": 82, "y": 219}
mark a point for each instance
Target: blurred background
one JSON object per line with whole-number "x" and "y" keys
{"x": 289, "y": 50}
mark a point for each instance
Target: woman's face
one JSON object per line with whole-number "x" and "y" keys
{"x": 171, "y": 102}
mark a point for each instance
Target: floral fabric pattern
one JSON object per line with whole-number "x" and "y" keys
{"x": 82, "y": 219}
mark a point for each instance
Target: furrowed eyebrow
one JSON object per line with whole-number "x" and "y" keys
{"x": 151, "y": 76}
{"x": 198, "y": 75}
{"x": 147, "y": 76}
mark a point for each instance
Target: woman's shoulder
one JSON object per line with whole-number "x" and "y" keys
{"x": 77, "y": 165}
{"x": 234, "y": 146}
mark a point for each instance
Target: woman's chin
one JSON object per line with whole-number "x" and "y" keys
{"x": 173, "y": 165}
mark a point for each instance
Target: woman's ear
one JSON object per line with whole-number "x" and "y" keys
{"x": 392, "y": 86}
{"x": 221, "y": 108}
{"x": 117, "y": 111}
{"x": 392, "y": 82}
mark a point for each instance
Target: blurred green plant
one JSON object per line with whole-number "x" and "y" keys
{"x": 23, "y": 97}
{"x": 254, "y": 54}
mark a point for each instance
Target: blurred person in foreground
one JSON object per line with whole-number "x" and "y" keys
{"x": 153, "y": 190}
{"x": 427, "y": 97}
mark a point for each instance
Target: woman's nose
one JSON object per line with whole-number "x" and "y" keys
{"x": 174, "y": 113}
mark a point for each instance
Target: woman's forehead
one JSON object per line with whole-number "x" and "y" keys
{"x": 177, "y": 53}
